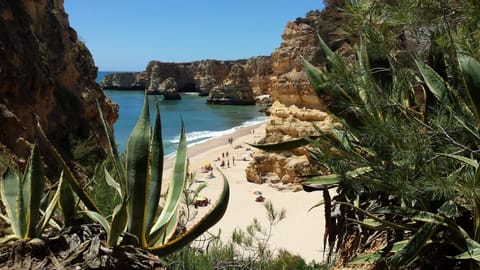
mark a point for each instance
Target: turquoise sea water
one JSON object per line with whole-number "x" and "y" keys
{"x": 202, "y": 121}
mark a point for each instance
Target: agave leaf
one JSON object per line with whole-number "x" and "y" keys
{"x": 66, "y": 200}
{"x": 317, "y": 79}
{"x": 114, "y": 184}
{"x": 331, "y": 179}
{"x": 117, "y": 161}
{"x": 98, "y": 218}
{"x": 119, "y": 222}
{"x": 47, "y": 215}
{"x": 415, "y": 245}
{"x": 369, "y": 223}
{"x": 320, "y": 203}
{"x": 69, "y": 176}
{"x": 8, "y": 238}
{"x": 374, "y": 217}
{"x": 175, "y": 189}
{"x": 435, "y": 82}
{"x": 156, "y": 170}
{"x": 169, "y": 231}
{"x": 473, "y": 254}
{"x": 415, "y": 214}
{"x": 10, "y": 188}
{"x": 137, "y": 174}
{"x": 333, "y": 58}
{"x": 470, "y": 68}
{"x": 33, "y": 190}
{"x": 468, "y": 161}
{"x": 283, "y": 146}
{"x": 210, "y": 219}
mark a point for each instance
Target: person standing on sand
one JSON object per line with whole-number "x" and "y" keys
{"x": 233, "y": 161}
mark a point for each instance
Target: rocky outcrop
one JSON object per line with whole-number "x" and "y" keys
{"x": 122, "y": 81}
{"x": 168, "y": 88}
{"x": 286, "y": 123}
{"x": 47, "y": 73}
{"x": 234, "y": 90}
{"x": 296, "y": 107}
{"x": 198, "y": 76}
{"x": 289, "y": 83}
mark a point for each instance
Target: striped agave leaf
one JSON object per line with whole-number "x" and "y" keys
{"x": 210, "y": 219}
{"x": 140, "y": 191}
{"x": 21, "y": 195}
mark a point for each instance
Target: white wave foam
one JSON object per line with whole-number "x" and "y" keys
{"x": 196, "y": 137}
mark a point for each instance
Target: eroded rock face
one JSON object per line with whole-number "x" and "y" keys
{"x": 46, "y": 72}
{"x": 296, "y": 107}
{"x": 234, "y": 90}
{"x": 289, "y": 84}
{"x": 286, "y": 123}
{"x": 198, "y": 76}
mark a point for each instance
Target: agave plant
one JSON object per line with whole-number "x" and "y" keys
{"x": 135, "y": 220}
{"x": 21, "y": 195}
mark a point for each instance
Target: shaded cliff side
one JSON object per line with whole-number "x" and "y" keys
{"x": 46, "y": 71}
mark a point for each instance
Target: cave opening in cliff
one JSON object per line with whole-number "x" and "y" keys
{"x": 188, "y": 87}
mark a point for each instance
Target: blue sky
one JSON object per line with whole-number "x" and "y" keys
{"x": 126, "y": 35}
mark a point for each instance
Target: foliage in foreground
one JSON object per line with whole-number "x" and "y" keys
{"x": 405, "y": 161}
{"x": 138, "y": 220}
{"x": 248, "y": 250}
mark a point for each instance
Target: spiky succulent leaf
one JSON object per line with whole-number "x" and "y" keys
{"x": 436, "y": 84}
{"x": 415, "y": 245}
{"x": 175, "y": 189}
{"x": 49, "y": 211}
{"x": 119, "y": 222}
{"x": 66, "y": 200}
{"x": 470, "y": 68}
{"x": 69, "y": 175}
{"x": 10, "y": 188}
{"x": 156, "y": 170}
{"x": 112, "y": 146}
{"x": 33, "y": 190}
{"x": 137, "y": 159}
{"x": 283, "y": 146}
{"x": 210, "y": 219}
{"x": 331, "y": 179}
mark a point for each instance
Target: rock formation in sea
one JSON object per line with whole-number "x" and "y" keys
{"x": 47, "y": 73}
{"x": 296, "y": 107}
{"x": 202, "y": 77}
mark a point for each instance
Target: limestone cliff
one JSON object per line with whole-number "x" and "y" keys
{"x": 296, "y": 107}
{"x": 234, "y": 90}
{"x": 198, "y": 76}
{"x": 46, "y": 71}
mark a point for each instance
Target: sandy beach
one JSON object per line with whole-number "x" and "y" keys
{"x": 301, "y": 232}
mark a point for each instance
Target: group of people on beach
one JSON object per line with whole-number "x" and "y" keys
{"x": 225, "y": 161}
